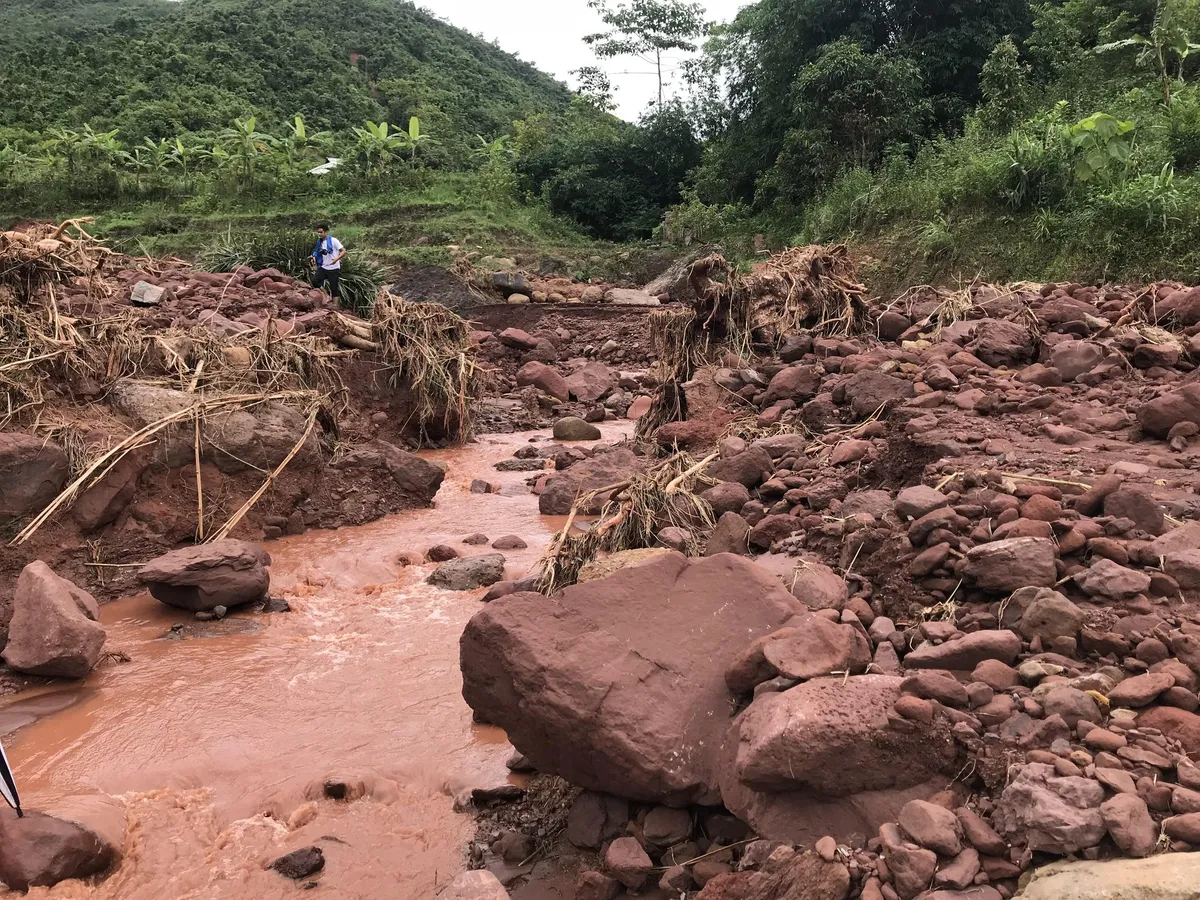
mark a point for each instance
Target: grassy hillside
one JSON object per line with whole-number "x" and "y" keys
{"x": 154, "y": 68}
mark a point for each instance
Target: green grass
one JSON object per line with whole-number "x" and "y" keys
{"x": 429, "y": 220}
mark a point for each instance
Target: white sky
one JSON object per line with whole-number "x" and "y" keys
{"x": 549, "y": 34}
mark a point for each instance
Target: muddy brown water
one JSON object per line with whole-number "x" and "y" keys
{"x": 219, "y": 747}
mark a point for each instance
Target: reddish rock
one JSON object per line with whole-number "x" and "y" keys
{"x": 935, "y": 686}
{"x": 1051, "y": 813}
{"x": 729, "y": 536}
{"x": 1137, "y": 505}
{"x": 1141, "y": 690}
{"x": 748, "y": 468}
{"x": 966, "y": 652}
{"x": 772, "y": 529}
{"x": 979, "y": 834}
{"x": 226, "y": 573}
{"x": 728, "y": 496}
{"x": 996, "y": 675}
{"x": 517, "y": 339}
{"x": 1106, "y": 578}
{"x": 1159, "y": 416}
{"x": 1050, "y": 615}
{"x": 1129, "y": 824}
{"x": 55, "y": 630}
{"x": 820, "y": 759}
{"x": 1175, "y": 723}
{"x": 1006, "y": 566}
{"x": 591, "y": 474}
{"x": 545, "y": 378}
{"x": 1075, "y": 358}
{"x": 628, "y": 862}
{"x": 640, "y": 705}
{"x": 32, "y": 472}
{"x": 1183, "y": 828}
{"x": 933, "y": 827}
{"x": 41, "y": 851}
{"x": 817, "y": 648}
{"x": 797, "y": 383}
{"x": 912, "y": 868}
{"x": 596, "y": 886}
{"x": 591, "y": 382}
{"x": 595, "y": 818}
{"x": 869, "y": 392}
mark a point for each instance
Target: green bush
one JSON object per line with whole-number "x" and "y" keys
{"x": 290, "y": 251}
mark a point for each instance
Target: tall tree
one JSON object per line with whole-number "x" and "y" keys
{"x": 646, "y": 29}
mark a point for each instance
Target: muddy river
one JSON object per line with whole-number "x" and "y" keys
{"x": 219, "y": 745}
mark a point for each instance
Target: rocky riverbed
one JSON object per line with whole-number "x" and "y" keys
{"x": 901, "y": 605}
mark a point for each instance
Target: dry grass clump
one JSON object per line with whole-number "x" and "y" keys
{"x": 427, "y": 349}
{"x": 638, "y": 509}
{"x": 45, "y": 255}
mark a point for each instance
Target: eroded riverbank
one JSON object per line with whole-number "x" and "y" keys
{"x": 217, "y": 746}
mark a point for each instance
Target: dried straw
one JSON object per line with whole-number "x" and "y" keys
{"x": 645, "y": 504}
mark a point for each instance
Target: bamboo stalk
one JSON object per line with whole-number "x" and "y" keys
{"x": 104, "y": 464}
{"x": 249, "y": 504}
{"x": 199, "y": 483}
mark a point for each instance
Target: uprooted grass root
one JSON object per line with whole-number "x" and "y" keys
{"x": 427, "y": 349}
{"x": 631, "y": 519}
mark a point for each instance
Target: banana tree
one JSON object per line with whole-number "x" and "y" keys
{"x": 1169, "y": 42}
{"x": 378, "y": 145}
{"x": 248, "y": 144}
{"x": 300, "y": 146}
{"x": 184, "y": 156}
{"x": 154, "y": 157}
{"x": 414, "y": 139}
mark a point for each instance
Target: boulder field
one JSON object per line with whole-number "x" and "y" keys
{"x": 942, "y": 628}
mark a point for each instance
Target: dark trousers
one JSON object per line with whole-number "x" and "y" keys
{"x": 331, "y": 277}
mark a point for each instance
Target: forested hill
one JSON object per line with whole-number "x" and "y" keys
{"x": 154, "y": 68}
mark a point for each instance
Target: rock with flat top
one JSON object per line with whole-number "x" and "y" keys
{"x": 477, "y": 885}
{"x": 639, "y": 706}
{"x": 198, "y": 579}
{"x": 469, "y": 573}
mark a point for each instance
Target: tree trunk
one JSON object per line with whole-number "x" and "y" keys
{"x": 658, "y": 59}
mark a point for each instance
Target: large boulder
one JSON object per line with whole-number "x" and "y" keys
{"x": 1051, "y": 813}
{"x": 233, "y": 439}
{"x": 32, "y": 472}
{"x": 1171, "y": 876}
{"x": 821, "y": 758}
{"x": 198, "y": 579}
{"x": 417, "y": 477}
{"x": 591, "y": 382}
{"x": 870, "y": 391}
{"x": 797, "y": 383}
{"x": 41, "y": 850}
{"x": 966, "y": 652}
{"x": 599, "y": 471}
{"x": 1001, "y": 343}
{"x": 747, "y": 468}
{"x": 55, "y": 630}
{"x": 479, "y": 884}
{"x": 545, "y": 378}
{"x": 1159, "y": 416}
{"x": 639, "y": 705}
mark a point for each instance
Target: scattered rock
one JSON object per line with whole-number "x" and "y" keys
{"x": 469, "y": 573}
{"x": 300, "y": 863}
{"x": 225, "y": 573}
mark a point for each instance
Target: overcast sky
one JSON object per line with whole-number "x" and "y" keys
{"x": 549, "y": 34}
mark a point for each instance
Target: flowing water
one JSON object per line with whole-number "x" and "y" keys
{"x": 219, "y": 747}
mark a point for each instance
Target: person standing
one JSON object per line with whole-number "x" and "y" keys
{"x": 328, "y": 256}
